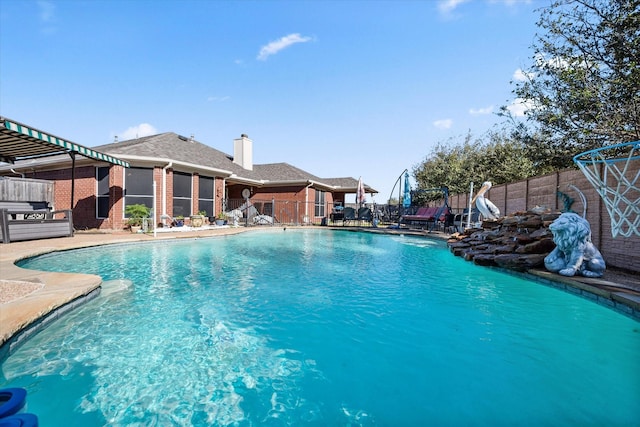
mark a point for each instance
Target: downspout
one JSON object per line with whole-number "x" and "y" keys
{"x": 18, "y": 173}
{"x": 164, "y": 189}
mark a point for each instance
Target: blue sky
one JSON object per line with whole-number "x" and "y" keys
{"x": 337, "y": 88}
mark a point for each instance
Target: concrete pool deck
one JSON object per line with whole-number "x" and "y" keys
{"x": 30, "y": 299}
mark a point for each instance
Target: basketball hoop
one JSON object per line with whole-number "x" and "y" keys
{"x": 613, "y": 171}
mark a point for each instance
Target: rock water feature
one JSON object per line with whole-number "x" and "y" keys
{"x": 519, "y": 242}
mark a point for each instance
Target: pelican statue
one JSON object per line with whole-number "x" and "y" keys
{"x": 487, "y": 209}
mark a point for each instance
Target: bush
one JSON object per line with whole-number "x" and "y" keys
{"x": 135, "y": 213}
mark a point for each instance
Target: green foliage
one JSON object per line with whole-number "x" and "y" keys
{"x": 135, "y": 213}
{"x": 497, "y": 158}
{"x": 584, "y": 81}
{"x": 583, "y": 92}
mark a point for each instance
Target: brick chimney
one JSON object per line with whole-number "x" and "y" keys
{"x": 243, "y": 152}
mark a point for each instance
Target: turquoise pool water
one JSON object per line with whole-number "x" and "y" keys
{"x": 320, "y": 328}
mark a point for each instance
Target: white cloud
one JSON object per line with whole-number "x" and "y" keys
{"x": 443, "y": 124}
{"x": 47, "y": 11}
{"x": 276, "y": 46}
{"x": 521, "y": 76}
{"x": 447, "y": 6}
{"x": 519, "y": 106}
{"x": 47, "y": 17}
{"x": 511, "y": 2}
{"x": 218, "y": 98}
{"x": 481, "y": 111}
{"x": 143, "y": 129}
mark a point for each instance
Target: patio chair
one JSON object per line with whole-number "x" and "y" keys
{"x": 449, "y": 222}
{"x": 442, "y": 219}
{"x": 365, "y": 214}
{"x": 349, "y": 215}
{"x": 460, "y": 220}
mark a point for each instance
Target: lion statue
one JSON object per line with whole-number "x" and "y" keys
{"x": 574, "y": 252}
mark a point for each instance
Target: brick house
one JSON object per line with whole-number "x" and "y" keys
{"x": 184, "y": 177}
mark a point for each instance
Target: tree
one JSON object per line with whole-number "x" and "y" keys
{"x": 449, "y": 164}
{"x": 583, "y": 87}
{"x": 497, "y": 158}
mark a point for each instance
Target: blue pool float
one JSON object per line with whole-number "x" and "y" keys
{"x": 19, "y": 420}
{"x": 11, "y": 401}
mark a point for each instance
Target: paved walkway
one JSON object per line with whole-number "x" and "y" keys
{"x": 29, "y": 297}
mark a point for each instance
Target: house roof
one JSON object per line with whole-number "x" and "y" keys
{"x": 190, "y": 155}
{"x": 171, "y": 146}
{"x": 180, "y": 149}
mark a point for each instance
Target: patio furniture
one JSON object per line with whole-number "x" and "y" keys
{"x": 33, "y": 220}
{"x": 461, "y": 219}
{"x": 349, "y": 215}
{"x": 364, "y": 214}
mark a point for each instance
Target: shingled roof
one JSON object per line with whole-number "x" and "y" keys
{"x": 170, "y": 146}
{"x": 189, "y": 154}
{"x": 175, "y": 147}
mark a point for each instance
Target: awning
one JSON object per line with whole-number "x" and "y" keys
{"x": 20, "y": 142}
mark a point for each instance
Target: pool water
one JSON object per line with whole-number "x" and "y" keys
{"x": 322, "y": 328}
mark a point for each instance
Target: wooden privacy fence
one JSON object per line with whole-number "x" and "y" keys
{"x": 26, "y": 190}
{"x": 620, "y": 252}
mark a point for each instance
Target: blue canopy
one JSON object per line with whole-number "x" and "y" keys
{"x": 406, "y": 199}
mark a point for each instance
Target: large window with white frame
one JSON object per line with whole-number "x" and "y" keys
{"x": 181, "y": 194}
{"x": 319, "y": 210}
{"x": 102, "y": 192}
{"x": 206, "y": 197}
{"x": 138, "y": 187}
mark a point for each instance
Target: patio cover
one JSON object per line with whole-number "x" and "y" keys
{"x": 20, "y": 142}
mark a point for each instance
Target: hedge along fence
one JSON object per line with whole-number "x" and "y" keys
{"x": 621, "y": 252}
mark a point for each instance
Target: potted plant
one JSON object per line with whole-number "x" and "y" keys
{"x": 135, "y": 214}
{"x": 178, "y": 221}
{"x": 221, "y": 218}
{"x": 198, "y": 220}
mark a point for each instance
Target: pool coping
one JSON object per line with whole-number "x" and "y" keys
{"x": 23, "y": 317}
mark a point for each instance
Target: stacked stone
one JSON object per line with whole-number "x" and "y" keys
{"x": 518, "y": 242}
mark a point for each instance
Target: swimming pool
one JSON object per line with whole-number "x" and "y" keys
{"x": 314, "y": 327}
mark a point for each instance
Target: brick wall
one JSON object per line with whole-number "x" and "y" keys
{"x": 195, "y": 191}
{"x": 84, "y": 203}
{"x": 116, "y": 199}
{"x": 218, "y": 191}
{"x": 620, "y": 252}
{"x": 169, "y": 193}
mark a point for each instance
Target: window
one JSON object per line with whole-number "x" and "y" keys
{"x": 205, "y": 195}
{"x": 102, "y": 192}
{"x": 181, "y": 194}
{"x": 320, "y": 205}
{"x": 138, "y": 187}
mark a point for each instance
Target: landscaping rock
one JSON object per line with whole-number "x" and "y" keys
{"x": 543, "y": 246}
{"x": 518, "y": 242}
{"x": 519, "y": 262}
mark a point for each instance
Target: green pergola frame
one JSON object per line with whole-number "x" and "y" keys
{"x": 19, "y": 142}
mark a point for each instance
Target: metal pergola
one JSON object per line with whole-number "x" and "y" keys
{"x": 19, "y": 142}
